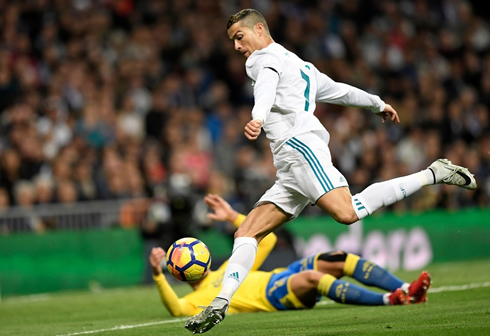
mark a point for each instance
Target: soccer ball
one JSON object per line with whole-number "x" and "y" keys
{"x": 188, "y": 259}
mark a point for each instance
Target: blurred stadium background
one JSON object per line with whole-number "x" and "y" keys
{"x": 118, "y": 116}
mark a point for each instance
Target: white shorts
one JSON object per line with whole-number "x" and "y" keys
{"x": 304, "y": 174}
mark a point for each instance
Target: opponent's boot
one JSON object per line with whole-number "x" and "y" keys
{"x": 418, "y": 289}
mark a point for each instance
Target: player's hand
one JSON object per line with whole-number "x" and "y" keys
{"x": 156, "y": 256}
{"x": 253, "y": 129}
{"x": 389, "y": 113}
{"x": 222, "y": 209}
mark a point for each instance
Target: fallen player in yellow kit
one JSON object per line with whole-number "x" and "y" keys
{"x": 298, "y": 286}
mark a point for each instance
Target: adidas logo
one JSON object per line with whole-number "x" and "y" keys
{"x": 342, "y": 179}
{"x": 234, "y": 276}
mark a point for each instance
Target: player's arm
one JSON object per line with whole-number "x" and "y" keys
{"x": 175, "y": 305}
{"x": 224, "y": 212}
{"x": 329, "y": 91}
{"x": 264, "y": 95}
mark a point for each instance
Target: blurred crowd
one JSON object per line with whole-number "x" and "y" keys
{"x": 116, "y": 99}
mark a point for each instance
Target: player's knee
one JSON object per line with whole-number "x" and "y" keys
{"x": 312, "y": 278}
{"x": 241, "y": 233}
{"x": 346, "y": 217}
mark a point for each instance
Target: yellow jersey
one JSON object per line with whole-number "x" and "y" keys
{"x": 250, "y": 296}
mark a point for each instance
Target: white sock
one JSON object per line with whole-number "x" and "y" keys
{"x": 386, "y": 193}
{"x": 427, "y": 177}
{"x": 386, "y": 299}
{"x": 239, "y": 264}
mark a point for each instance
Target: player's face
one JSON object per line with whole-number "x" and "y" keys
{"x": 244, "y": 39}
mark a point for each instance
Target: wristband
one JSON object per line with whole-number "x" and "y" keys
{"x": 239, "y": 219}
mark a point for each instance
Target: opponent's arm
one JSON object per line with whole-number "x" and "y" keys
{"x": 175, "y": 306}
{"x": 224, "y": 212}
{"x": 264, "y": 96}
{"x": 333, "y": 92}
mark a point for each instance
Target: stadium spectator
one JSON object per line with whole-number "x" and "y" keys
{"x": 25, "y": 197}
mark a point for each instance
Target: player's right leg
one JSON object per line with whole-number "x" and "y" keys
{"x": 262, "y": 220}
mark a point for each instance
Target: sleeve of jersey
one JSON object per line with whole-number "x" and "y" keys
{"x": 176, "y": 306}
{"x": 264, "y": 68}
{"x": 264, "y": 93}
{"x": 344, "y": 94}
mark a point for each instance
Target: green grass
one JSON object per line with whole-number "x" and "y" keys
{"x": 448, "y": 312}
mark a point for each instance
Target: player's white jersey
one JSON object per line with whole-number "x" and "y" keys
{"x": 300, "y": 86}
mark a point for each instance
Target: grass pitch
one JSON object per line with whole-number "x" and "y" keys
{"x": 459, "y": 304}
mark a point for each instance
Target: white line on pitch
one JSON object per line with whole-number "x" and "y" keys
{"x": 432, "y": 290}
{"x": 28, "y": 298}
{"x": 458, "y": 288}
{"x": 122, "y": 327}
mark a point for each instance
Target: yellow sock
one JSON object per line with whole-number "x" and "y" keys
{"x": 325, "y": 283}
{"x": 350, "y": 264}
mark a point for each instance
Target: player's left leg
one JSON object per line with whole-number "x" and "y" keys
{"x": 260, "y": 221}
{"x": 347, "y": 209}
{"x": 307, "y": 285}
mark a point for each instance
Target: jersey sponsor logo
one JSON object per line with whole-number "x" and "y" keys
{"x": 235, "y": 276}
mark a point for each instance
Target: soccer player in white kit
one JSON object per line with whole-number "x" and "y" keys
{"x": 286, "y": 90}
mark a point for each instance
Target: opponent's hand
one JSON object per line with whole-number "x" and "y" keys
{"x": 253, "y": 129}
{"x": 156, "y": 256}
{"x": 389, "y": 113}
{"x": 222, "y": 209}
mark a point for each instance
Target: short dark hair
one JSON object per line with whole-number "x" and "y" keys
{"x": 249, "y": 17}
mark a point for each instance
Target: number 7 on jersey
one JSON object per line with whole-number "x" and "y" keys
{"x": 307, "y": 90}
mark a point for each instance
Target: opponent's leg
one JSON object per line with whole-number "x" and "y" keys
{"x": 368, "y": 273}
{"x": 262, "y": 220}
{"x": 307, "y": 285}
{"x": 332, "y": 263}
{"x": 339, "y": 263}
{"x": 345, "y": 292}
